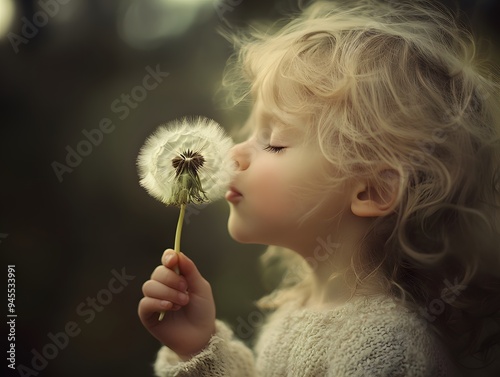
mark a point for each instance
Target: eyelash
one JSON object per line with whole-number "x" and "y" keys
{"x": 274, "y": 149}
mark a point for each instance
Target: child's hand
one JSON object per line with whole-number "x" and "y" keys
{"x": 187, "y": 301}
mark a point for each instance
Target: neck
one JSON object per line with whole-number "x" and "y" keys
{"x": 332, "y": 282}
{"x": 331, "y": 260}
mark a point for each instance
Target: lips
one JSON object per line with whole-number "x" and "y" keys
{"x": 233, "y": 195}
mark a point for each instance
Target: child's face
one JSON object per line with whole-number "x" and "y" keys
{"x": 274, "y": 164}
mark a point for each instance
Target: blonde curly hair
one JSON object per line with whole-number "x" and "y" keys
{"x": 399, "y": 85}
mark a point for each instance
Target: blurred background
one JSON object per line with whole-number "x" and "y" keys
{"x": 73, "y": 215}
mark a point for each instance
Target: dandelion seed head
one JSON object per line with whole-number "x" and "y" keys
{"x": 188, "y": 160}
{"x": 198, "y": 145}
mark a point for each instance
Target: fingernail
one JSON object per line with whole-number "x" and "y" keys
{"x": 169, "y": 254}
{"x": 168, "y": 258}
{"x": 183, "y": 298}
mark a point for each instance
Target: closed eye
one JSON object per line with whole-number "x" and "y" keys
{"x": 274, "y": 149}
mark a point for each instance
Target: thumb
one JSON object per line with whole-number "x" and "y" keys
{"x": 196, "y": 283}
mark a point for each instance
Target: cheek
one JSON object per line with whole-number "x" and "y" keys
{"x": 267, "y": 211}
{"x": 271, "y": 189}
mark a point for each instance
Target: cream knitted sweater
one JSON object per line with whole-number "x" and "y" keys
{"x": 365, "y": 337}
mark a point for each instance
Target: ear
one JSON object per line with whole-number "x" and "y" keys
{"x": 376, "y": 197}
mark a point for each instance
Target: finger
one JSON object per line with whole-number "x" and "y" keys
{"x": 170, "y": 258}
{"x": 196, "y": 282}
{"x": 157, "y": 290}
{"x": 169, "y": 278}
{"x": 150, "y": 307}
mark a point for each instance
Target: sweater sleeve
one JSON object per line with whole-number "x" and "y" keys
{"x": 223, "y": 356}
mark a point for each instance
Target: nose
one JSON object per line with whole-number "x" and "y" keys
{"x": 241, "y": 155}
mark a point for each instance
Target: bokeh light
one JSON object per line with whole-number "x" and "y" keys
{"x": 145, "y": 24}
{"x": 7, "y": 13}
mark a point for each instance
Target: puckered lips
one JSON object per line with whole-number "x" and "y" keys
{"x": 233, "y": 195}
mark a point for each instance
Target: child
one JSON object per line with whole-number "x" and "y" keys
{"x": 372, "y": 169}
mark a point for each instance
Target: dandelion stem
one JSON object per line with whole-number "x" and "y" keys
{"x": 178, "y": 231}
{"x": 177, "y": 244}
{"x": 160, "y": 317}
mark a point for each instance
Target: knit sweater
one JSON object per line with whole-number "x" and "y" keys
{"x": 365, "y": 337}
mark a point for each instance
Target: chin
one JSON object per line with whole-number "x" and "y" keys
{"x": 253, "y": 230}
{"x": 245, "y": 235}
{"x": 239, "y": 235}
{"x": 239, "y": 231}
